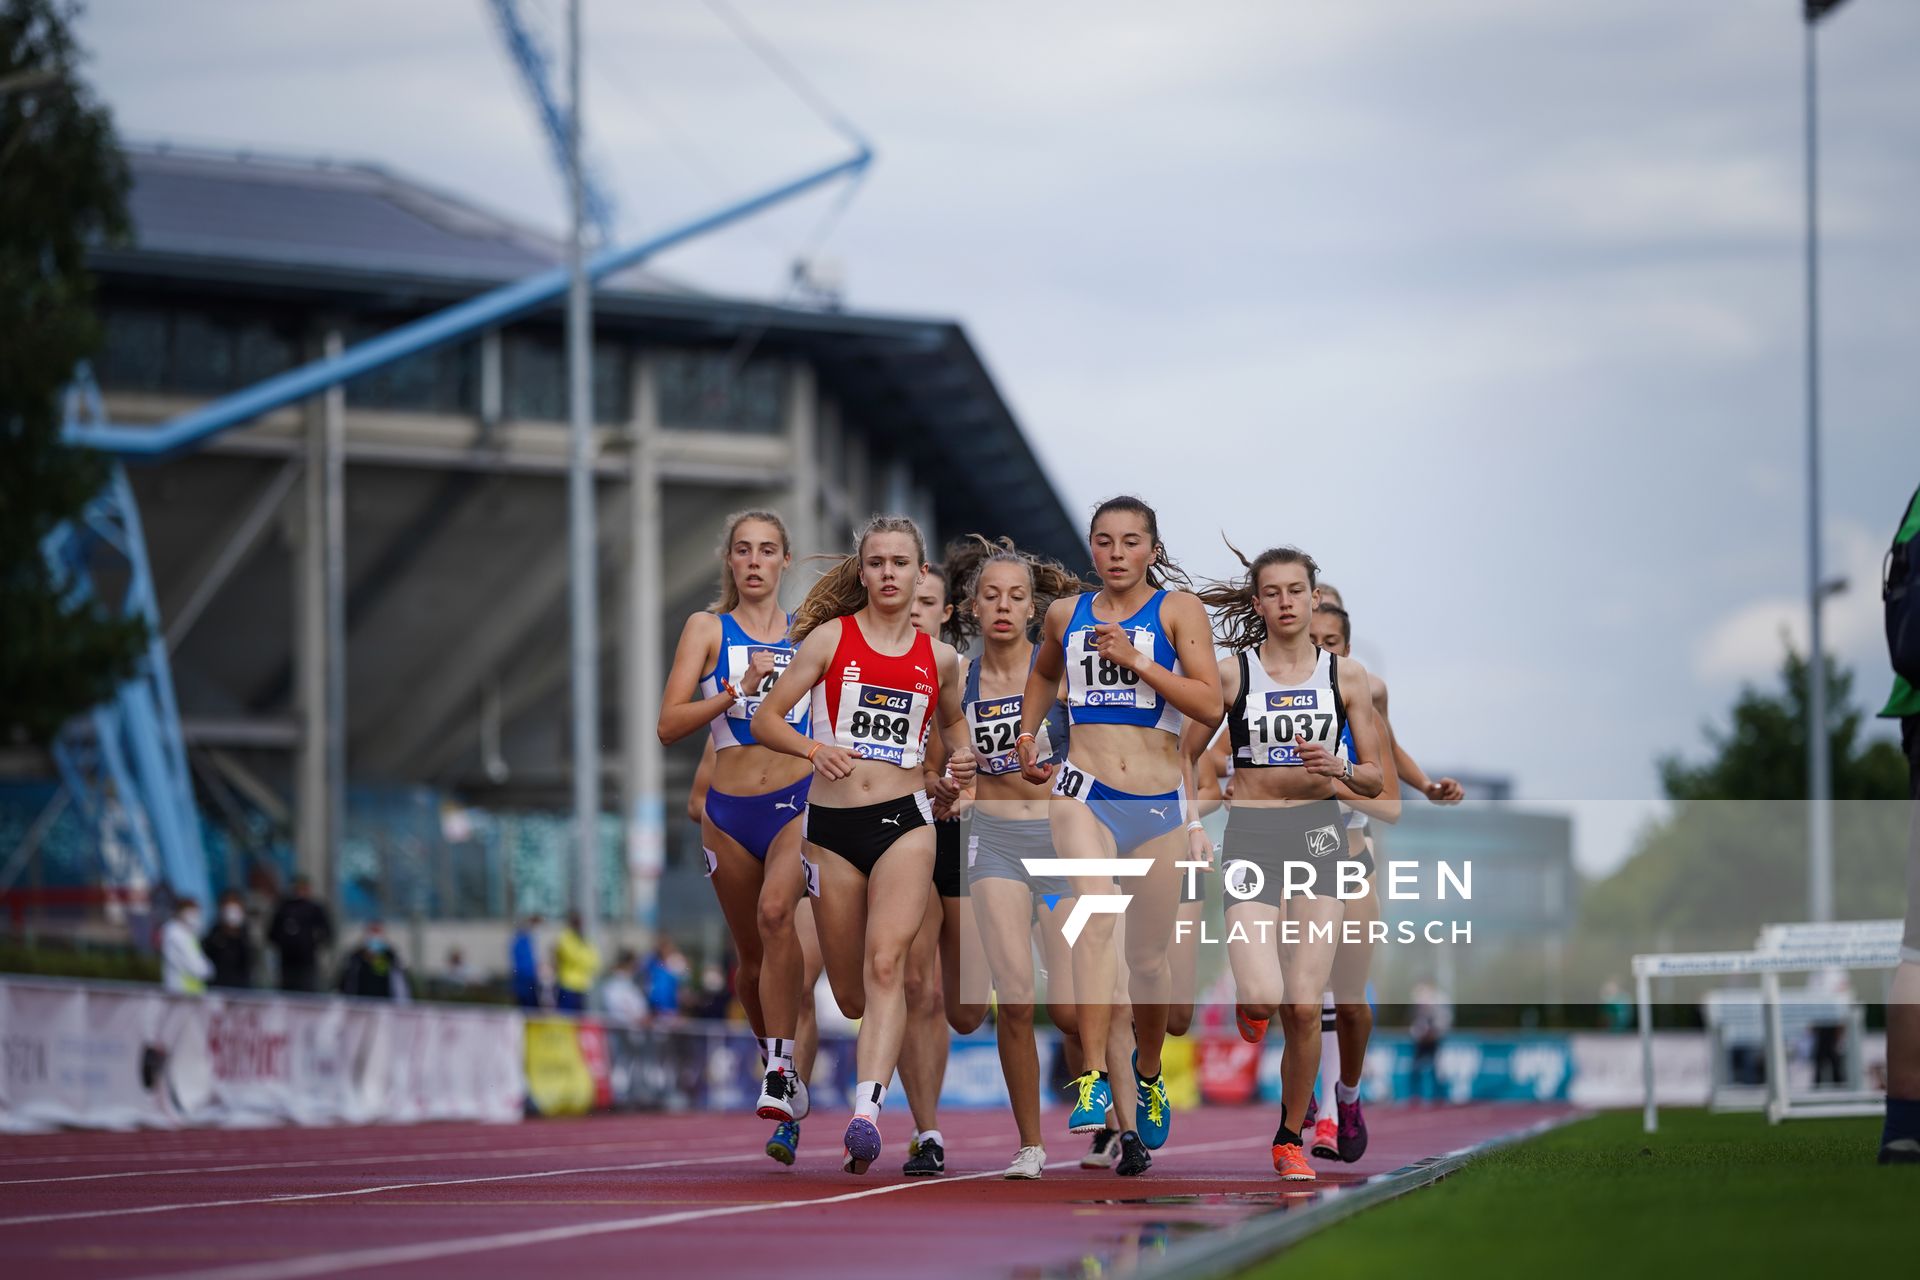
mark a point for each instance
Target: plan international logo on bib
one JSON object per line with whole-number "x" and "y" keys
{"x": 1110, "y": 697}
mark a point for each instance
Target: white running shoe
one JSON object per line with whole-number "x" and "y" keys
{"x": 802, "y": 1100}
{"x": 1028, "y": 1162}
{"x": 1105, "y": 1151}
{"x": 778, "y": 1097}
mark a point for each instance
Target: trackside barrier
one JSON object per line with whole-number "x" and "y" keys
{"x": 1780, "y": 948}
{"x": 106, "y": 1055}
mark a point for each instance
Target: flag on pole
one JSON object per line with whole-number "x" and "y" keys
{"x": 1818, "y": 9}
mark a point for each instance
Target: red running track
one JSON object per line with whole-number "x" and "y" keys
{"x": 660, "y": 1195}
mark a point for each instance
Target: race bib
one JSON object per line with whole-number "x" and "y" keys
{"x": 995, "y": 726}
{"x": 878, "y": 723}
{"x": 1093, "y": 681}
{"x": 738, "y": 657}
{"x": 1277, "y": 717}
{"x": 1069, "y": 783}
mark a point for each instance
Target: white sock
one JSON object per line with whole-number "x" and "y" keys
{"x": 868, "y": 1095}
{"x": 930, "y": 1135}
{"x": 778, "y": 1053}
{"x": 1346, "y": 1094}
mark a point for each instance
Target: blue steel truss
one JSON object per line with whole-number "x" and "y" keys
{"x": 535, "y": 64}
{"x": 124, "y": 763}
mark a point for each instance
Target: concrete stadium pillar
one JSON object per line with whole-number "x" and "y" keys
{"x": 803, "y": 486}
{"x": 642, "y": 669}
{"x": 320, "y": 657}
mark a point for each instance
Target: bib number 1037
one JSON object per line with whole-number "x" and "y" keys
{"x": 1272, "y": 730}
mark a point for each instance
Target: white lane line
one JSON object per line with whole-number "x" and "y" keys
{"x": 394, "y": 1255}
{"x": 414, "y": 1158}
{"x": 293, "y": 1197}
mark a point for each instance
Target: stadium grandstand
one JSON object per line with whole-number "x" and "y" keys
{"x": 455, "y": 648}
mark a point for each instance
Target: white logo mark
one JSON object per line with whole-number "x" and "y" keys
{"x": 889, "y": 822}
{"x": 1089, "y": 905}
{"x": 1322, "y": 841}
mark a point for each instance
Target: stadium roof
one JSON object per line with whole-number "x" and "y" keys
{"x": 320, "y": 232}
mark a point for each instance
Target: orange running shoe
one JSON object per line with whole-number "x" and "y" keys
{"x": 1252, "y": 1030}
{"x": 1291, "y": 1163}
{"x": 1326, "y": 1139}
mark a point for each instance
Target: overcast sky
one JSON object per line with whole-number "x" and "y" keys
{"x": 1495, "y": 306}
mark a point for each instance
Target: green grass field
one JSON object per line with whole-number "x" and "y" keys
{"x": 1723, "y": 1197}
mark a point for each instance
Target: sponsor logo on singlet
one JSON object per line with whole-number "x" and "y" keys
{"x": 998, "y": 709}
{"x": 1294, "y": 700}
{"x": 1110, "y": 698}
{"x": 886, "y": 699}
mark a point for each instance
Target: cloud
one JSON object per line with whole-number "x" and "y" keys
{"x": 1746, "y": 644}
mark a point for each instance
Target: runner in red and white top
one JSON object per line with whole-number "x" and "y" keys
{"x": 877, "y": 685}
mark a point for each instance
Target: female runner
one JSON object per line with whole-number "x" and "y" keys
{"x": 1288, "y": 707}
{"x": 1006, "y": 590}
{"x": 875, "y": 684}
{"x": 945, "y": 955}
{"x": 727, "y": 656}
{"x": 1137, "y": 658}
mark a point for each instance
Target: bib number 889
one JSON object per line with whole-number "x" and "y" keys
{"x": 877, "y": 727}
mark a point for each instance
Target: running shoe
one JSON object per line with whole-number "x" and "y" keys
{"x": 1153, "y": 1114}
{"x": 1093, "y": 1097}
{"x": 1900, "y": 1151}
{"x": 1353, "y": 1131}
{"x": 784, "y": 1142}
{"x": 1104, "y": 1152}
{"x": 1028, "y": 1162}
{"x": 1326, "y": 1139}
{"x": 928, "y": 1159}
{"x": 779, "y": 1096}
{"x": 1134, "y": 1157}
{"x": 862, "y": 1145}
{"x": 1290, "y": 1163}
{"x": 1252, "y": 1030}
{"x": 802, "y": 1100}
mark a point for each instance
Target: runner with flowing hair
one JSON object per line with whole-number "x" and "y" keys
{"x": 875, "y": 685}
{"x": 1289, "y": 708}
{"x": 728, "y": 656}
{"x": 1137, "y": 656}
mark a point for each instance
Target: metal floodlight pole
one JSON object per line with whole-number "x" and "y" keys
{"x": 1819, "y": 766}
{"x": 583, "y": 576}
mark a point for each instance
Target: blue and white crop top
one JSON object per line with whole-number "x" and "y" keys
{"x": 994, "y": 725}
{"x": 1098, "y": 692}
{"x": 735, "y": 728}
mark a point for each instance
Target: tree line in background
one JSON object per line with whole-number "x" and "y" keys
{"x": 63, "y": 188}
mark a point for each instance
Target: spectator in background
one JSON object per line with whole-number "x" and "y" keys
{"x": 1432, "y": 1019}
{"x": 576, "y": 963}
{"x": 460, "y": 974}
{"x": 300, "y": 931}
{"x": 620, "y": 994}
{"x": 373, "y": 970}
{"x": 1900, "y": 590}
{"x": 666, "y": 970}
{"x": 227, "y": 945}
{"x": 523, "y": 962}
{"x": 184, "y": 968}
{"x": 714, "y": 999}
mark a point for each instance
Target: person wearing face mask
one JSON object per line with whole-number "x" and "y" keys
{"x": 227, "y": 945}
{"x": 373, "y": 970}
{"x": 184, "y": 968}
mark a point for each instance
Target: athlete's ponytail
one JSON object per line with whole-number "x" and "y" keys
{"x": 1162, "y": 573}
{"x": 729, "y": 589}
{"x": 839, "y": 591}
{"x": 1236, "y": 620}
{"x": 968, "y": 558}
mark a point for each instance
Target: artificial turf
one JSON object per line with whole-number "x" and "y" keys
{"x": 1713, "y": 1196}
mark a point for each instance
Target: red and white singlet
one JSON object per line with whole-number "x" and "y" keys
{"x": 876, "y": 706}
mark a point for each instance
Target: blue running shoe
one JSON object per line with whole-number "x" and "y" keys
{"x": 785, "y": 1140}
{"x": 1092, "y": 1098}
{"x": 862, "y": 1145}
{"x": 1152, "y": 1113}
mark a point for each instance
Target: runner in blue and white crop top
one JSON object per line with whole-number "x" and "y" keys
{"x": 1098, "y": 692}
{"x": 735, "y": 728}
